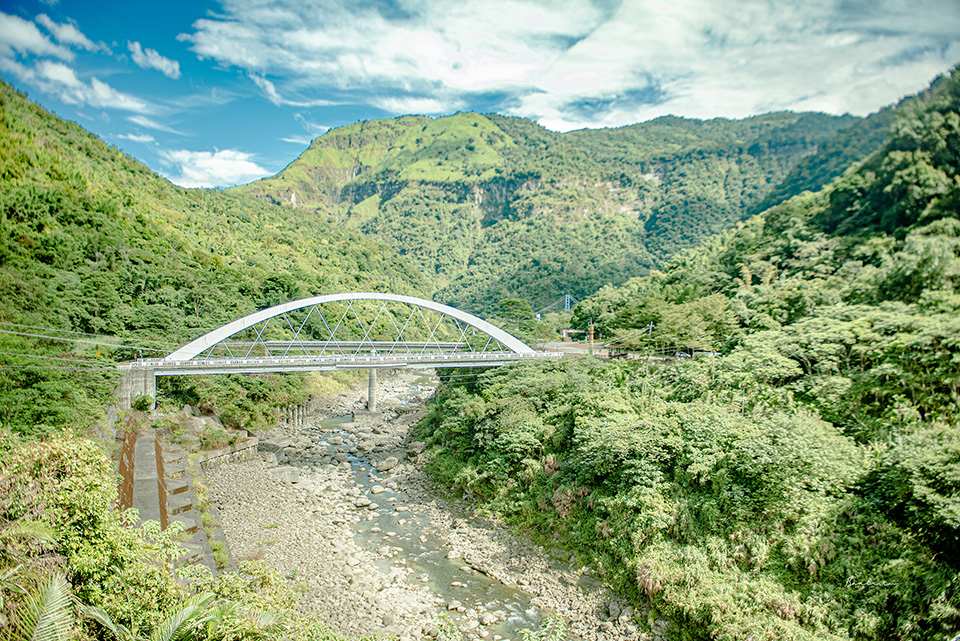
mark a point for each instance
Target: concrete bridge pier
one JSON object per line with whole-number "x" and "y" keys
{"x": 372, "y": 391}
{"x": 137, "y": 382}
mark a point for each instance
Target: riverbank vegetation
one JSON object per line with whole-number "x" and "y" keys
{"x": 799, "y": 477}
{"x": 72, "y": 567}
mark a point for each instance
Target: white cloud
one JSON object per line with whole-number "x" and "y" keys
{"x": 22, "y": 36}
{"x": 221, "y": 168}
{"x": 60, "y": 79}
{"x": 311, "y": 128}
{"x": 150, "y": 59}
{"x": 418, "y": 106}
{"x": 14, "y": 68}
{"x": 270, "y": 90}
{"x": 298, "y": 140}
{"x": 150, "y": 123}
{"x": 69, "y": 34}
{"x": 18, "y": 36}
{"x": 141, "y": 138}
{"x": 573, "y": 63}
{"x": 59, "y": 73}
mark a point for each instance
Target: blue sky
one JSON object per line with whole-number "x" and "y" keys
{"x": 221, "y": 92}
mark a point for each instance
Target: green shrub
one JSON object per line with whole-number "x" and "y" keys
{"x": 142, "y": 403}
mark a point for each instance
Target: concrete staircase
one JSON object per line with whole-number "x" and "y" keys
{"x": 157, "y": 482}
{"x": 178, "y": 503}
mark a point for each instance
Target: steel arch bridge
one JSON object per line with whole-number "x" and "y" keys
{"x": 363, "y": 330}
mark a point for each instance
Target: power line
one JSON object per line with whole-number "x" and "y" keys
{"x": 4, "y": 367}
{"x": 85, "y": 341}
{"x": 56, "y": 358}
{"x": 71, "y": 331}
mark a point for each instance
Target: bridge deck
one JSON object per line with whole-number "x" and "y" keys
{"x": 164, "y": 367}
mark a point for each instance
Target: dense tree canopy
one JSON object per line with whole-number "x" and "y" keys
{"x": 493, "y": 207}
{"x": 799, "y": 478}
{"x": 95, "y": 246}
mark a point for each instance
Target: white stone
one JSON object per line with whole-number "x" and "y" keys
{"x": 286, "y": 473}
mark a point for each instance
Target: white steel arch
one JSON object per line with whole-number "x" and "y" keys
{"x": 198, "y": 346}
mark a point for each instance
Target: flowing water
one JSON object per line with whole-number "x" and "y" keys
{"x": 411, "y": 541}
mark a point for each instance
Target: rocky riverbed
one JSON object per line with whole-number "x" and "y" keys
{"x": 347, "y": 513}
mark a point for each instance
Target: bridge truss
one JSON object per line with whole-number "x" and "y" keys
{"x": 344, "y": 331}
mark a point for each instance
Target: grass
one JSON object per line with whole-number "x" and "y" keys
{"x": 209, "y": 520}
{"x": 221, "y": 557}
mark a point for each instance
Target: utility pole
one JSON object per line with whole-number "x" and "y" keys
{"x": 591, "y": 337}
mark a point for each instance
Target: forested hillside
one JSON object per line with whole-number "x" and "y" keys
{"x": 97, "y": 246}
{"x": 799, "y": 477}
{"x": 495, "y": 208}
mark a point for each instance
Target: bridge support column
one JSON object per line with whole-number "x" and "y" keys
{"x": 372, "y": 391}
{"x": 137, "y": 382}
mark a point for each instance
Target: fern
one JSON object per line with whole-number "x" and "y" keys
{"x": 46, "y": 614}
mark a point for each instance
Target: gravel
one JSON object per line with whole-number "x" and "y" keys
{"x": 304, "y": 525}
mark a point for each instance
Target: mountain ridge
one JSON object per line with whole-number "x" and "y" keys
{"x": 488, "y": 179}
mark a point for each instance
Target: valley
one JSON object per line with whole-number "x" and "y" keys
{"x": 381, "y": 548}
{"x": 797, "y": 477}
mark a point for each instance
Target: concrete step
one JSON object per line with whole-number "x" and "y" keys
{"x": 175, "y": 470}
{"x": 193, "y": 554}
{"x": 176, "y": 486}
{"x": 190, "y": 523}
{"x": 180, "y": 503}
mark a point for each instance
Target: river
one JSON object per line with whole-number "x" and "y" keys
{"x": 385, "y": 551}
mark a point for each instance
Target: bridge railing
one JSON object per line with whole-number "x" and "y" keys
{"x": 166, "y": 366}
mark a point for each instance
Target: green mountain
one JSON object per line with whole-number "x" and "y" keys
{"x": 95, "y": 245}
{"x": 494, "y": 207}
{"x": 787, "y": 464}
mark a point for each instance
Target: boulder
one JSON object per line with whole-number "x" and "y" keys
{"x": 276, "y": 444}
{"x": 614, "y": 610}
{"x": 416, "y": 448}
{"x": 387, "y": 464}
{"x": 191, "y": 423}
{"x": 286, "y": 474}
{"x": 211, "y": 421}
